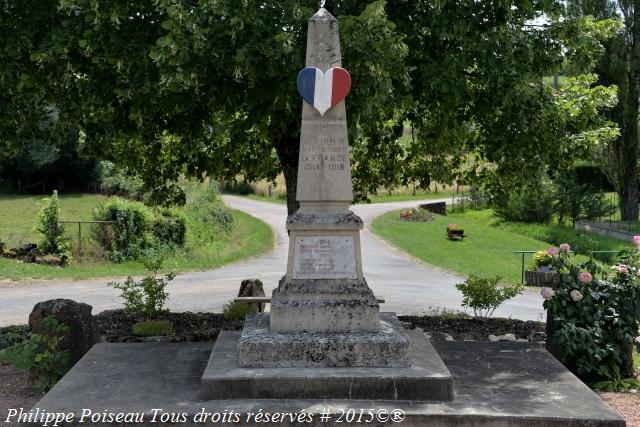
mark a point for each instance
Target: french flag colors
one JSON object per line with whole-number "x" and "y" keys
{"x": 324, "y": 90}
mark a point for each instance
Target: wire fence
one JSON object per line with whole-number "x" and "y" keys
{"x": 80, "y": 233}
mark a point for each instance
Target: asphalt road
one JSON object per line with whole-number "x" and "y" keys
{"x": 408, "y": 285}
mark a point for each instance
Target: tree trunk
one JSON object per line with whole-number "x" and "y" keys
{"x": 628, "y": 191}
{"x": 287, "y": 148}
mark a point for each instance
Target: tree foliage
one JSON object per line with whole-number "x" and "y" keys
{"x": 173, "y": 87}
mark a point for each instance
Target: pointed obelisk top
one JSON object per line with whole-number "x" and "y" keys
{"x": 324, "y": 168}
{"x": 322, "y": 15}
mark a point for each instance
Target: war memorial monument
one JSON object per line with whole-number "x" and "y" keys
{"x": 325, "y": 354}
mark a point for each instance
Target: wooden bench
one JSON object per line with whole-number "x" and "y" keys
{"x": 454, "y": 235}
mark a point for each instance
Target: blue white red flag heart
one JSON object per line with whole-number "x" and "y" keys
{"x": 324, "y": 90}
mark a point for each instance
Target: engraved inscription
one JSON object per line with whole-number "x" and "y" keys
{"x": 324, "y": 257}
{"x": 324, "y": 152}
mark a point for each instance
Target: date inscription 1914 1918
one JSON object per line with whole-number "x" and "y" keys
{"x": 324, "y": 257}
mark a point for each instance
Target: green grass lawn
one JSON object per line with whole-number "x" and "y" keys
{"x": 489, "y": 248}
{"x": 19, "y": 213}
{"x": 248, "y": 237}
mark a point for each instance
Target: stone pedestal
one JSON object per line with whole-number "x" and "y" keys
{"x": 425, "y": 377}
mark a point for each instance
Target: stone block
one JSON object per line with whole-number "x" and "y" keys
{"x": 259, "y": 347}
{"x": 324, "y": 305}
{"x": 427, "y": 378}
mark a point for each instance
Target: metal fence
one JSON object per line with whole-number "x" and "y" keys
{"x": 79, "y": 238}
{"x": 592, "y": 255}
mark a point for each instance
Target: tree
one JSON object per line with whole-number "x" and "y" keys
{"x": 173, "y": 87}
{"x": 620, "y": 66}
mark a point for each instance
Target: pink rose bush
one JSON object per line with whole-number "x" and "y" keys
{"x": 636, "y": 240}
{"x": 565, "y": 248}
{"x": 593, "y": 313}
{"x": 553, "y": 251}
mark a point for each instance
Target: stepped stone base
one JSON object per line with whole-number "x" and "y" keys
{"x": 426, "y": 379}
{"x": 497, "y": 384}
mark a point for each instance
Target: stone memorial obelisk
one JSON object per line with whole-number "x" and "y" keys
{"x": 325, "y": 336}
{"x": 324, "y": 289}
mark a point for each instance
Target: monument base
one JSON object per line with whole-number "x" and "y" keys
{"x": 426, "y": 379}
{"x": 259, "y": 347}
{"x": 324, "y": 306}
{"x": 496, "y": 384}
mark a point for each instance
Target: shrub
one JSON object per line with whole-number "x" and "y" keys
{"x": 238, "y": 310}
{"x": 53, "y": 240}
{"x": 40, "y": 354}
{"x": 117, "y": 181}
{"x": 532, "y": 203}
{"x": 170, "y": 227}
{"x": 593, "y": 321}
{"x": 145, "y": 297}
{"x": 484, "y": 295}
{"x": 153, "y": 328}
{"x": 208, "y": 210}
{"x": 129, "y": 236}
{"x": 233, "y": 187}
{"x": 579, "y": 201}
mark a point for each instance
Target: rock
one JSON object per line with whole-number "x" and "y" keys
{"x": 537, "y": 337}
{"x": 493, "y": 338}
{"x": 82, "y": 333}
{"x": 48, "y": 260}
{"x": 448, "y": 337}
{"x": 522, "y": 340}
{"x": 507, "y": 337}
{"x": 27, "y": 252}
{"x": 252, "y": 288}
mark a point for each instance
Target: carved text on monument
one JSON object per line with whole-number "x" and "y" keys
{"x": 324, "y": 257}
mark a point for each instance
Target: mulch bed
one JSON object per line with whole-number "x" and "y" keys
{"x": 462, "y": 328}
{"x": 115, "y": 326}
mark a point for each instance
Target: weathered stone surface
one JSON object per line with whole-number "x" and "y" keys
{"x": 324, "y": 305}
{"x": 253, "y": 288}
{"x": 82, "y": 334}
{"x": 497, "y": 384}
{"x": 261, "y": 348}
{"x": 426, "y": 379}
{"x": 324, "y": 257}
{"x": 324, "y": 170}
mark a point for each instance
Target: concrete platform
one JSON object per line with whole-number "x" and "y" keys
{"x": 259, "y": 347}
{"x": 496, "y": 384}
{"x": 426, "y": 379}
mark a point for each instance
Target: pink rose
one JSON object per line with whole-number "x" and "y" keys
{"x": 547, "y": 293}
{"x": 452, "y": 226}
{"x": 575, "y": 295}
{"x": 622, "y": 268}
{"x": 552, "y": 251}
{"x": 636, "y": 240}
{"x": 585, "y": 277}
{"x": 565, "y": 248}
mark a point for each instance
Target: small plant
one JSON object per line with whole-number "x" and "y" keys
{"x": 40, "y": 354}
{"x": 153, "y": 328}
{"x": 626, "y": 384}
{"x": 238, "y": 310}
{"x": 484, "y": 295}
{"x": 53, "y": 240}
{"x": 146, "y": 297}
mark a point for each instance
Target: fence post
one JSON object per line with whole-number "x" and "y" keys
{"x": 79, "y": 237}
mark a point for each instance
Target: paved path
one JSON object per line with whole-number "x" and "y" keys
{"x": 409, "y": 286}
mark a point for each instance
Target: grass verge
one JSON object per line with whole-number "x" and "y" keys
{"x": 375, "y": 198}
{"x": 489, "y": 248}
{"x": 207, "y": 247}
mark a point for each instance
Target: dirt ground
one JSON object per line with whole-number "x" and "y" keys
{"x": 17, "y": 391}
{"x": 626, "y": 404}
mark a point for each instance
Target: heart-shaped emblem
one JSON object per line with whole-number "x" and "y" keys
{"x": 324, "y": 90}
